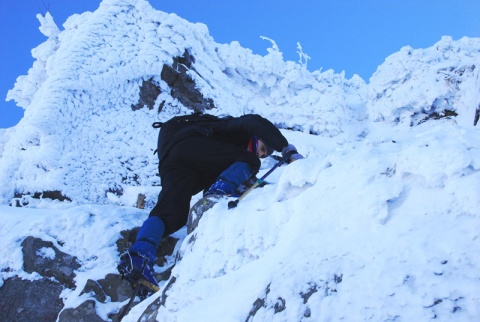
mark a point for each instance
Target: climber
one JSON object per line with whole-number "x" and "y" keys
{"x": 215, "y": 155}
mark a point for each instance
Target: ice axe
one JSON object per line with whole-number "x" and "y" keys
{"x": 234, "y": 203}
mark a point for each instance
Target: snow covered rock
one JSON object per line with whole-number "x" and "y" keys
{"x": 415, "y": 84}
{"x": 85, "y": 135}
{"x": 55, "y": 271}
{"x": 44, "y": 258}
{"x": 23, "y": 299}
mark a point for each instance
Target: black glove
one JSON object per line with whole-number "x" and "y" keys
{"x": 290, "y": 154}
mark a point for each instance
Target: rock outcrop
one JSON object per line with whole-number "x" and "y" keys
{"x": 53, "y": 271}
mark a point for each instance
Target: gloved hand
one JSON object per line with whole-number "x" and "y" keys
{"x": 290, "y": 154}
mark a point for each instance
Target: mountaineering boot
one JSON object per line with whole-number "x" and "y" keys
{"x": 136, "y": 269}
{"x": 136, "y": 264}
{"x": 230, "y": 179}
{"x": 232, "y": 182}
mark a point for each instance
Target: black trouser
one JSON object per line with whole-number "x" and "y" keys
{"x": 191, "y": 166}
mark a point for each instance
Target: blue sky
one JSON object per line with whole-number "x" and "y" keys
{"x": 354, "y": 36}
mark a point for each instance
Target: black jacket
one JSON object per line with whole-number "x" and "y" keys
{"x": 193, "y": 154}
{"x": 234, "y": 130}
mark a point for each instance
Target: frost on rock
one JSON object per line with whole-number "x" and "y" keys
{"x": 86, "y": 135}
{"x": 415, "y": 84}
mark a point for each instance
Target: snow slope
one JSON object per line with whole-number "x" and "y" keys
{"x": 397, "y": 223}
{"x": 379, "y": 222}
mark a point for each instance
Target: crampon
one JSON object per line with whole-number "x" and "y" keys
{"x": 138, "y": 271}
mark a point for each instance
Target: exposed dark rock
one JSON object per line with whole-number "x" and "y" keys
{"x": 127, "y": 239}
{"x": 22, "y": 199}
{"x": 160, "y": 107}
{"x": 439, "y": 115}
{"x": 54, "y": 195}
{"x": 477, "y": 116}
{"x": 93, "y": 287}
{"x": 117, "y": 289}
{"x": 258, "y": 304}
{"x": 150, "y": 313}
{"x": 149, "y": 92}
{"x": 117, "y": 190}
{"x": 338, "y": 278}
{"x": 166, "y": 248}
{"x": 198, "y": 209}
{"x": 280, "y": 305}
{"x": 60, "y": 266}
{"x": 141, "y": 201}
{"x": 307, "y": 313}
{"x": 165, "y": 275}
{"x": 22, "y": 300}
{"x": 182, "y": 86}
{"x": 115, "y": 317}
{"x": 312, "y": 289}
{"x": 170, "y": 283}
{"x": 84, "y": 313}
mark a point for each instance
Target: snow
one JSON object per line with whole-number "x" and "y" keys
{"x": 381, "y": 219}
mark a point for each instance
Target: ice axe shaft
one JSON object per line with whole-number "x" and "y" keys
{"x": 234, "y": 203}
